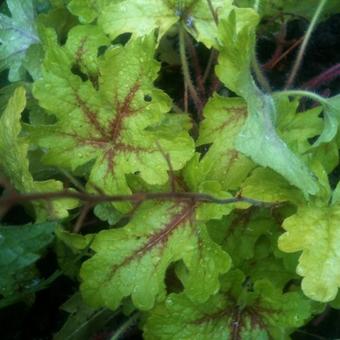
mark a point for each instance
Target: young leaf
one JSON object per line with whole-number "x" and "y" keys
{"x": 17, "y": 34}
{"x": 20, "y": 248}
{"x": 236, "y": 35}
{"x": 15, "y": 164}
{"x": 315, "y": 232}
{"x": 108, "y": 118}
{"x": 263, "y": 314}
{"x": 132, "y": 261}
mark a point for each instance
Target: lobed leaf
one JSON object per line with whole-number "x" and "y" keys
{"x": 266, "y": 313}
{"x": 115, "y": 118}
{"x": 314, "y": 231}
{"x": 258, "y": 138}
{"x": 141, "y": 17}
{"x": 223, "y": 120}
{"x": 15, "y": 163}
{"x": 132, "y": 261}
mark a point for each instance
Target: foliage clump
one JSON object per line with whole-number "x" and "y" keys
{"x": 203, "y": 208}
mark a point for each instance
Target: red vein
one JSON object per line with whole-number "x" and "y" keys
{"x": 159, "y": 237}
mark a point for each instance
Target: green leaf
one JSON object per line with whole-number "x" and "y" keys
{"x": 240, "y": 232}
{"x": 236, "y": 37}
{"x": 106, "y": 212}
{"x": 141, "y": 17}
{"x": 209, "y": 211}
{"x": 265, "y": 313}
{"x": 259, "y": 140}
{"x": 132, "y": 261}
{"x": 297, "y": 128}
{"x": 69, "y": 248}
{"x": 223, "y": 120}
{"x": 17, "y": 34}
{"x": 106, "y": 119}
{"x": 20, "y": 248}
{"x": 315, "y": 232}
{"x": 267, "y": 186}
{"x": 331, "y": 118}
{"x": 336, "y": 194}
{"x": 83, "y": 321}
{"x": 15, "y": 164}
{"x": 87, "y": 10}
{"x": 328, "y": 155}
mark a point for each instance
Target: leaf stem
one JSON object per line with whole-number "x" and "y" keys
{"x": 260, "y": 77}
{"x": 304, "y": 44}
{"x": 186, "y": 71}
{"x": 302, "y": 93}
{"x": 257, "y": 5}
{"x": 210, "y": 63}
{"x": 125, "y": 326}
{"x": 213, "y": 13}
{"x": 137, "y": 197}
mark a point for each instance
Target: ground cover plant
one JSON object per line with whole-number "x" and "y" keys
{"x": 169, "y": 169}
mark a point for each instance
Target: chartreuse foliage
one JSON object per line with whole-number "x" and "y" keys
{"x": 105, "y": 117}
{"x": 234, "y": 313}
{"x": 93, "y": 117}
{"x": 15, "y": 164}
{"x": 141, "y": 17}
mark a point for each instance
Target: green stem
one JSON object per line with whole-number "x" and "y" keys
{"x": 304, "y": 44}
{"x": 186, "y": 71}
{"x": 257, "y": 5}
{"x": 213, "y": 13}
{"x": 260, "y": 76}
{"x": 209, "y": 66}
{"x": 301, "y": 93}
{"x": 125, "y": 326}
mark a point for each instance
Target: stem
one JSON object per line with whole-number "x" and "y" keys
{"x": 125, "y": 326}
{"x": 210, "y": 63}
{"x": 186, "y": 71}
{"x": 257, "y": 5}
{"x": 324, "y": 77}
{"x": 260, "y": 76}
{"x": 134, "y": 198}
{"x": 213, "y": 13}
{"x": 304, "y": 44}
{"x": 302, "y": 93}
{"x": 276, "y": 60}
{"x": 197, "y": 67}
